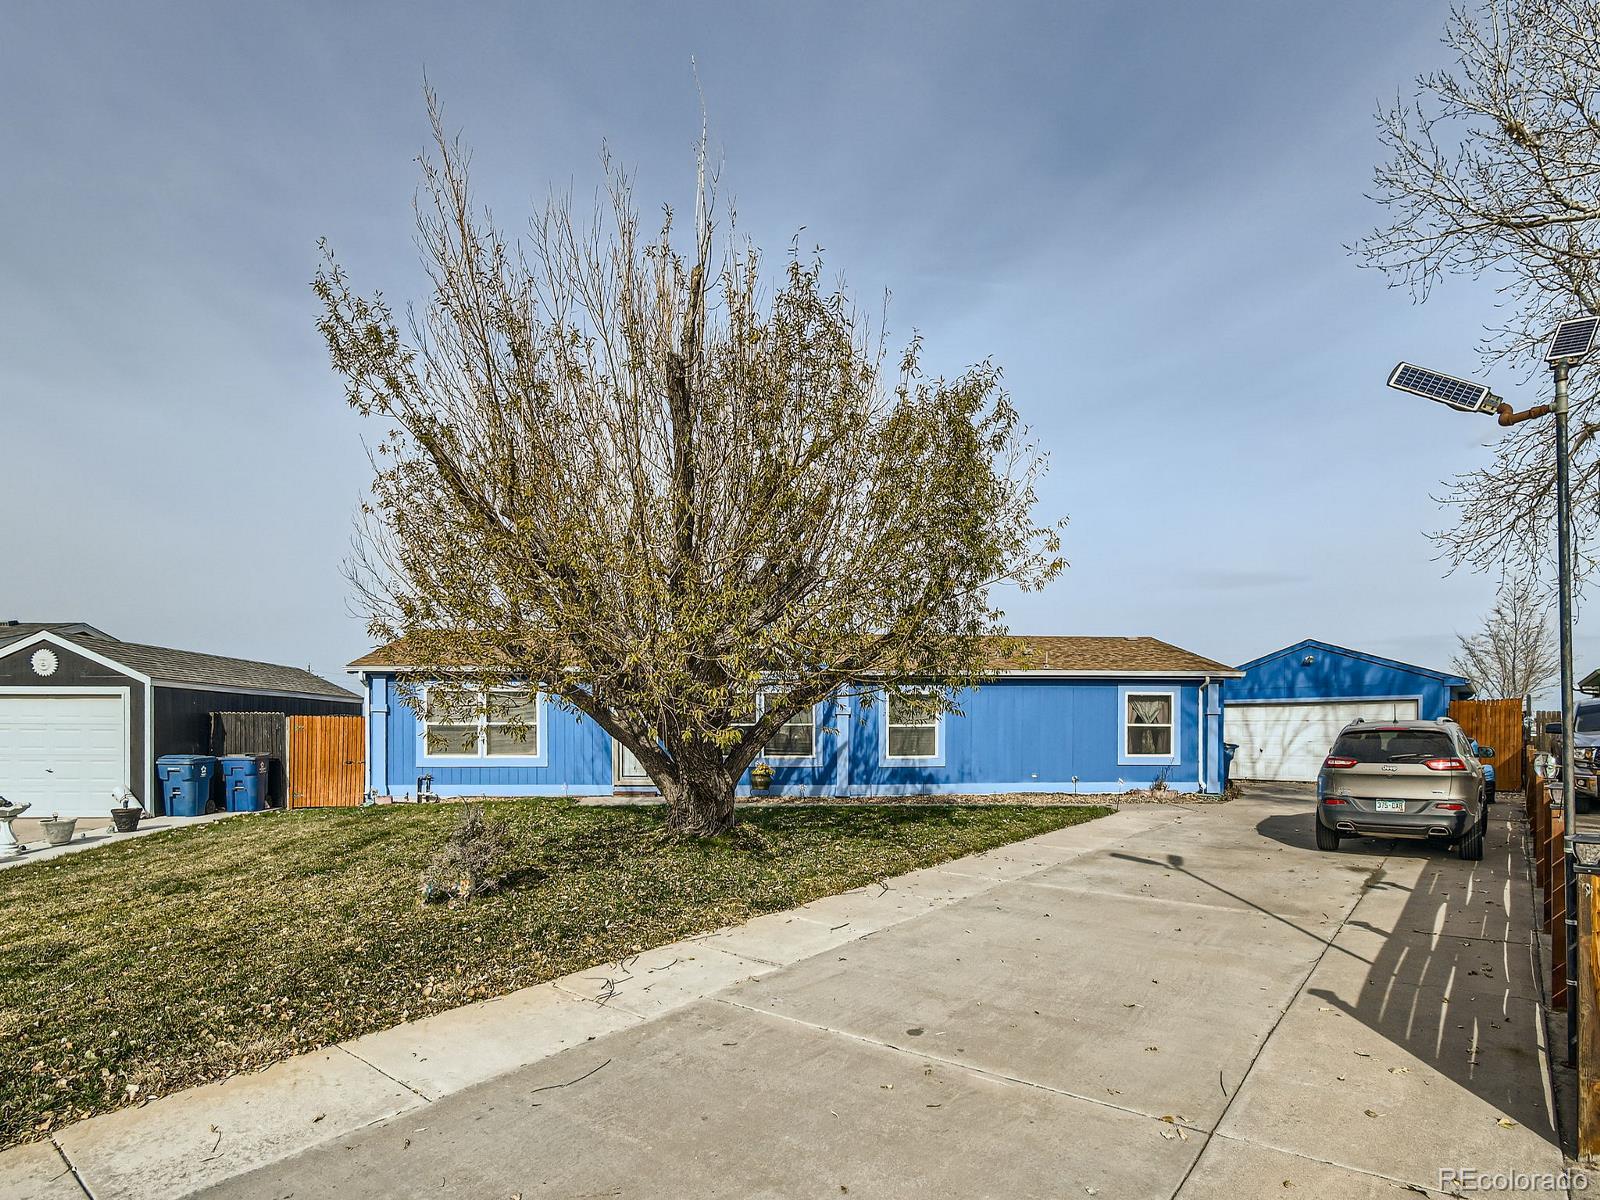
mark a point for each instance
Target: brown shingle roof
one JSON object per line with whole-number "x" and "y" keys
{"x": 395, "y": 654}
{"x": 1020, "y": 652}
{"x": 167, "y": 666}
{"x": 15, "y": 631}
{"x": 1042, "y": 652}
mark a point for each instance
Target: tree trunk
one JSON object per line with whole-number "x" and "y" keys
{"x": 700, "y": 802}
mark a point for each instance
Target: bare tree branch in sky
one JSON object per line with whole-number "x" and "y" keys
{"x": 1494, "y": 169}
{"x": 1515, "y": 654}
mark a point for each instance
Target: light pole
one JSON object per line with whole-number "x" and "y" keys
{"x": 1570, "y": 344}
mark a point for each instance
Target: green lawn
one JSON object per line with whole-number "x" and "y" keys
{"x": 162, "y": 962}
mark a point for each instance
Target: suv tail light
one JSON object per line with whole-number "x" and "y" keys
{"x": 1445, "y": 764}
{"x": 1338, "y": 761}
{"x": 1450, "y": 806}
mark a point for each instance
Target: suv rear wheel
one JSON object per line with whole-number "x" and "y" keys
{"x": 1327, "y": 839}
{"x": 1470, "y": 847}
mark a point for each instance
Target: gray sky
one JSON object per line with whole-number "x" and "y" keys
{"x": 1136, "y": 209}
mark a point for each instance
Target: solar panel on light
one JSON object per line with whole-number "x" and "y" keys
{"x": 1573, "y": 339}
{"x": 1462, "y": 394}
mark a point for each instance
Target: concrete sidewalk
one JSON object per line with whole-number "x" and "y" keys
{"x": 1164, "y": 1002}
{"x": 89, "y": 833}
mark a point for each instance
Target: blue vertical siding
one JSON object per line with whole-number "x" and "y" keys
{"x": 1337, "y": 673}
{"x": 1031, "y": 735}
{"x": 579, "y": 757}
{"x": 1013, "y": 735}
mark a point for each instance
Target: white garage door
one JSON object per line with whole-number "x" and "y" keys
{"x": 1288, "y": 742}
{"x": 63, "y": 753}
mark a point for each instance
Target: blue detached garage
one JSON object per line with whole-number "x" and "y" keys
{"x": 1290, "y": 705}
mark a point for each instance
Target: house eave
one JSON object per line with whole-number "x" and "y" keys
{"x": 1183, "y": 673}
{"x": 350, "y": 698}
{"x": 1016, "y": 673}
{"x": 1444, "y": 677}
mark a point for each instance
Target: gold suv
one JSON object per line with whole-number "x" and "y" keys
{"x": 1403, "y": 779}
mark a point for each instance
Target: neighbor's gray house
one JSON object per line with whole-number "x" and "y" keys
{"x": 83, "y": 713}
{"x": 1067, "y": 714}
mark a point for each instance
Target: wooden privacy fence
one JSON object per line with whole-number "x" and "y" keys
{"x": 1588, "y": 1017}
{"x": 1547, "y": 830}
{"x": 254, "y": 733}
{"x": 1550, "y": 866}
{"x": 327, "y": 761}
{"x": 1496, "y": 723}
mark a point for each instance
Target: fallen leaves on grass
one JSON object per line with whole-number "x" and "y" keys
{"x": 142, "y": 967}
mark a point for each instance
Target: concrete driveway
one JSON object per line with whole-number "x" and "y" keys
{"x": 1203, "y": 1007}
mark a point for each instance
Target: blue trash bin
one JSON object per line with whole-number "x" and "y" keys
{"x": 1229, "y": 749}
{"x": 186, "y": 781}
{"x": 244, "y": 781}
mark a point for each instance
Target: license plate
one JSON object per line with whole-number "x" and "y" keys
{"x": 1390, "y": 805}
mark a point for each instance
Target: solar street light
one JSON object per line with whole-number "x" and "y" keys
{"x": 1461, "y": 394}
{"x": 1571, "y": 342}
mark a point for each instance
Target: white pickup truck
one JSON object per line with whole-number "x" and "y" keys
{"x": 1586, "y": 754}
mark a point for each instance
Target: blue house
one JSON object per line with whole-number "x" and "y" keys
{"x": 1067, "y": 714}
{"x": 1290, "y": 705}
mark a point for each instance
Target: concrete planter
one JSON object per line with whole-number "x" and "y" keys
{"x": 58, "y": 830}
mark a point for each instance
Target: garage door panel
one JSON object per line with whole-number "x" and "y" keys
{"x": 63, "y": 753}
{"x": 1287, "y": 742}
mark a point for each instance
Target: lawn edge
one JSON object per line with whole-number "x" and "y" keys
{"x": 171, "y": 1146}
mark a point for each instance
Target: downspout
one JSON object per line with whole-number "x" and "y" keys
{"x": 1204, "y": 729}
{"x": 377, "y": 732}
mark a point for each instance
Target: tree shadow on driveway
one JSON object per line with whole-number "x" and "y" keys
{"x": 1437, "y": 958}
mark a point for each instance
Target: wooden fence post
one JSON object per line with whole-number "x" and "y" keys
{"x": 1557, "y": 896}
{"x": 1588, "y": 1018}
{"x": 1541, "y": 839}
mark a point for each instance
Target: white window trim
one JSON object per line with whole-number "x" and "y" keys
{"x": 936, "y": 759}
{"x": 1124, "y": 696}
{"x": 483, "y": 758}
{"x": 793, "y": 760}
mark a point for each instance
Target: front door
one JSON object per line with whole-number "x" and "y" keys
{"x": 626, "y": 770}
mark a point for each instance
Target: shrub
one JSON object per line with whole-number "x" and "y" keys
{"x": 472, "y": 860}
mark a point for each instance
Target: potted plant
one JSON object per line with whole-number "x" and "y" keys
{"x": 126, "y": 812}
{"x": 58, "y": 829}
{"x": 761, "y": 776}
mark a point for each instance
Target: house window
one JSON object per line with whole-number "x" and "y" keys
{"x": 501, "y": 724}
{"x": 796, "y": 737}
{"x": 512, "y": 728}
{"x": 1147, "y": 727}
{"x": 912, "y": 724}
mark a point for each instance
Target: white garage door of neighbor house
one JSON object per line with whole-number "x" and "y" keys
{"x": 63, "y": 753}
{"x": 1287, "y": 742}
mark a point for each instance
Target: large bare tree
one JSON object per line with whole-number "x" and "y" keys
{"x": 1494, "y": 169}
{"x": 1515, "y": 653}
{"x": 682, "y": 495}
